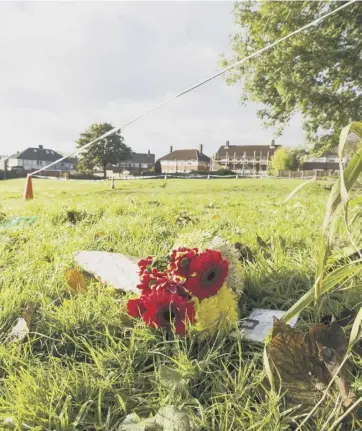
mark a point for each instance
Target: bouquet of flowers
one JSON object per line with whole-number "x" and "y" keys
{"x": 197, "y": 288}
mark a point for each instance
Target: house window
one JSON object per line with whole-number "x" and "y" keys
{"x": 39, "y": 162}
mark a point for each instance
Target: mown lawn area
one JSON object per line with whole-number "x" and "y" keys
{"x": 85, "y": 366}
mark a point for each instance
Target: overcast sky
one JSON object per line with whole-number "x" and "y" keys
{"x": 66, "y": 65}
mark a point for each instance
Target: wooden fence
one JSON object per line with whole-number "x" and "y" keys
{"x": 307, "y": 174}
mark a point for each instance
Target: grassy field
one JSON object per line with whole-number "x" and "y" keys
{"x": 83, "y": 367}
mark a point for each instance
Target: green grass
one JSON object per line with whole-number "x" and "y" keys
{"x": 84, "y": 366}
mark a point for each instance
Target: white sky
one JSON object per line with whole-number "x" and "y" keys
{"x": 66, "y": 65}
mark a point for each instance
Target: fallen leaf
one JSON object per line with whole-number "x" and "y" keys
{"x": 303, "y": 364}
{"x": 75, "y": 280}
{"x": 99, "y": 235}
{"x": 9, "y": 423}
{"x": 19, "y": 331}
{"x": 22, "y": 326}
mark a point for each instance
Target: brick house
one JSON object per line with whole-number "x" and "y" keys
{"x": 183, "y": 161}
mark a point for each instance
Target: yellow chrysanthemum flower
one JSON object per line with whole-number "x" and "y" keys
{"x": 220, "y": 310}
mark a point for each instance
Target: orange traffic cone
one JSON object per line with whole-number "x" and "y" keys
{"x": 28, "y": 191}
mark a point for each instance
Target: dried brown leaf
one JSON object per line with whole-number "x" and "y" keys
{"x": 75, "y": 280}
{"x": 303, "y": 363}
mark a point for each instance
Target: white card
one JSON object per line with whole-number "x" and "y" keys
{"x": 258, "y": 324}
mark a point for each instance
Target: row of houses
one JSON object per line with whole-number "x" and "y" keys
{"x": 243, "y": 159}
{"x": 238, "y": 158}
{"x": 33, "y": 159}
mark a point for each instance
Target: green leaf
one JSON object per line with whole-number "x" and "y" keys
{"x": 82, "y": 413}
{"x": 331, "y": 281}
{"x": 171, "y": 418}
{"x": 172, "y": 379}
{"x": 133, "y": 422}
{"x": 349, "y": 176}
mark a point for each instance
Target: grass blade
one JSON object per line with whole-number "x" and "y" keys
{"x": 356, "y": 328}
{"x": 349, "y": 176}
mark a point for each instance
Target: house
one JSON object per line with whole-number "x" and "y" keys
{"x": 244, "y": 159}
{"x": 139, "y": 162}
{"x": 328, "y": 161}
{"x": 184, "y": 161}
{"x": 3, "y": 160}
{"x": 33, "y": 159}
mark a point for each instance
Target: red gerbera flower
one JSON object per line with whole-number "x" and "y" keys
{"x": 148, "y": 279}
{"x": 135, "y": 307}
{"x": 208, "y": 272}
{"x": 165, "y": 310}
{"x": 172, "y": 283}
{"x": 143, "y": 264}
{"x": 180, "y": 260}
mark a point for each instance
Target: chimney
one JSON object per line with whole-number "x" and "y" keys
{"x": 272, "y": 145}
{"x": 171, "y": 148}
{"x": 227, "y": 145}
{"x": 201, "y": 148}
{"x": 40, "y": 147}
{"x": 149, "y": 152}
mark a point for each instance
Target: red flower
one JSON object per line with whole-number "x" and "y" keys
{"x": 208, "y": 272}
{"x": 172, "y": 283}
{"x": 148, "y": 279}
{"x": 165, "y": 310}
{"x": 143, "y": 264}
{"x": 180, "y": 260}
{"x": 135, "y": 307}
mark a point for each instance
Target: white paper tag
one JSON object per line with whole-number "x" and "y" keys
{"x": 257, "y": 325}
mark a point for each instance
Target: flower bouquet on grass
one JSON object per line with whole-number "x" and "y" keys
{"x": 199, "y": 287}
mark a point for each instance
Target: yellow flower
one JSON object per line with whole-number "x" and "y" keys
{"x": 218, "y": 311}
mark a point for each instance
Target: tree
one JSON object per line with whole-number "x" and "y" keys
{"x": 317, "y": 73}
{"x": 284, "y": 159}
{"x": 111, "y": 149}
{"x": 158, "y": 168}
{"x": 297, "y": 157}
